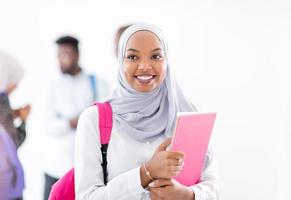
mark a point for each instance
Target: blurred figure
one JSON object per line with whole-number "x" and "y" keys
{"x": 68, "y": 97}
{"x": 118, "y": 33}
{"x": 11, "y": 137}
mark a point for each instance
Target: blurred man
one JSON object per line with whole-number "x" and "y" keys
{"x": 68, "y": 97}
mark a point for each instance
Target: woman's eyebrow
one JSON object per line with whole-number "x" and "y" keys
{"x": 134, "y": 50}
{"x": 156, "y": 49}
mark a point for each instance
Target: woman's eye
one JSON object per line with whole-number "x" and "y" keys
{"x": 131, "y": 57}
{"x": 157, "y": 57}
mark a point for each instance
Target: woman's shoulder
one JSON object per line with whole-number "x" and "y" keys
{"x": 88, "y": 128}
{"x": 89, "y": 120}
{"x": 90, "y": 113}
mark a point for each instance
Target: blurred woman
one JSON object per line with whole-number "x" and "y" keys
{"x": 11, "y": 137}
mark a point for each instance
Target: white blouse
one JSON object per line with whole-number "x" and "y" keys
{"x": 124, "y": 158}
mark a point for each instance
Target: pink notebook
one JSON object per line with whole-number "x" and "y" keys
{"x": 191, "y": 136}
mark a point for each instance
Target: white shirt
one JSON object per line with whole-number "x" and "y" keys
{"x": 124, "y": 156}
{"x": 68, "y": 97}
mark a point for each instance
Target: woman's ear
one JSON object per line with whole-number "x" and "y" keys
{"x": 10, "y": 88}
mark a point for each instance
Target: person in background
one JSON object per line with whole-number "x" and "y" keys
{"x": 67, "y": 98}
{"x": 11, "y": 136}
{"x": 118, "y": 34}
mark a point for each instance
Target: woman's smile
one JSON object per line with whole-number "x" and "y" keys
{"x": 145, "y": 78}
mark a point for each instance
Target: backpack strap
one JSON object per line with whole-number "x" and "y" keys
{"x": 105, "y": 127}
{"x": 93, "y": 80}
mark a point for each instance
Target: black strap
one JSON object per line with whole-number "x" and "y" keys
{"x": 104, "y": 164}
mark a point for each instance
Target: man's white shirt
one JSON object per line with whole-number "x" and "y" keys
{"x": 67, "y": 98}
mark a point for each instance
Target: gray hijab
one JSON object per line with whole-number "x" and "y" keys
{"x": 146, "y": 115}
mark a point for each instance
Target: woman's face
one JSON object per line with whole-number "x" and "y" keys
{"x": 144, "y": 61}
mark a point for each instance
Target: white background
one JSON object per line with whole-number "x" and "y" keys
{"x": 232, "y": 57}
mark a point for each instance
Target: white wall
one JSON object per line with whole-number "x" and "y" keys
{"x": 232, "y": 57}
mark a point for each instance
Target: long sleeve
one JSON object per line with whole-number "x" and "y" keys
{"x": 56, "y": 124}
{"x": 207, "y": 189}
{"x": 88, "y": 171}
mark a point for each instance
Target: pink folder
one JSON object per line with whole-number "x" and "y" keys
{"x": 191, "y": 136}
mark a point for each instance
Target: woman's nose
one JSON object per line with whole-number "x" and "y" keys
{"x": 144, "y": 65}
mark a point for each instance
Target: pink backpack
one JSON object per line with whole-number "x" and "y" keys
{"x": 64, "y": 188}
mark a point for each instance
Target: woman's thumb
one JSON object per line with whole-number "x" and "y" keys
{"x": 163, "y": 146}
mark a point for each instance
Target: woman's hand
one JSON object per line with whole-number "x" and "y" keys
{"x": 165, "y": 164}
{"x": 170, "y": 189}
{"x": 23, "y": 112}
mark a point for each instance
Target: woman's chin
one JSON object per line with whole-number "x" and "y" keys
{"x": 144, "y": 87}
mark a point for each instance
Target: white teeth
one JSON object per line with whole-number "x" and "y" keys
{"x": 143, "y": 77}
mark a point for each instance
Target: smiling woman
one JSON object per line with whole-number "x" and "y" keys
{"x": 145, "y": 106}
